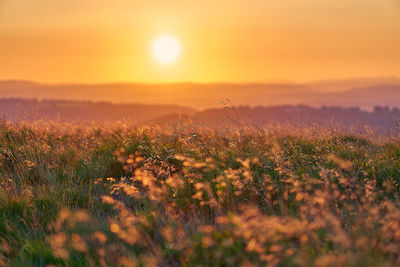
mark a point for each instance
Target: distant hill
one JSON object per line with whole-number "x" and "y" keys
{"x": 32, "y": 109}
{"x": 348, "y": 84}
{"x": 365, "y": 97}
{"x": 381, "y": 119}
{"x": 363, "y": 93}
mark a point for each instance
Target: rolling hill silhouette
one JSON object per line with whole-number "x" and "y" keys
{"x": 381, "y": 119}
{"x": 32, "y": 109}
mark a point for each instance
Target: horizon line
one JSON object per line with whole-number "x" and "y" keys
{"x": 277, "y": 81}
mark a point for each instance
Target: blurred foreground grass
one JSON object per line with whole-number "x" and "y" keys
{"x": 113, "y": 195}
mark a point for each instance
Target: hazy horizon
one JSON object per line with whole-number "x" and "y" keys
{"x": 365, "y": 93}
{"x": 355, "y": 79}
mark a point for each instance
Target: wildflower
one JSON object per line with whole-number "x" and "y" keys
{"x": 114, "y": 228}
{"x": 100, "y": 236}
{"x": 206, "y": 241}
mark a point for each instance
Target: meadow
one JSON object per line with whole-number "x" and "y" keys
{"x": 118, "y": 195}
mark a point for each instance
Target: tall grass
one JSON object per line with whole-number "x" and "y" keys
{"x": 114, "y": 195}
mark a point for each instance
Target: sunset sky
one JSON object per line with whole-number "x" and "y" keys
{"x": 95, "y": 41}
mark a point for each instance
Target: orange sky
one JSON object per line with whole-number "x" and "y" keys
{"x": 225, "y": 40}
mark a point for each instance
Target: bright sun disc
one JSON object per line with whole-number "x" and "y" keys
{"x": 166, "y": 49}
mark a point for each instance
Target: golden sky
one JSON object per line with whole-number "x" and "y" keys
{"x": 222, "y": 40}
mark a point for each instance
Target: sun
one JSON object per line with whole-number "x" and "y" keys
{"x": 166, "y": 49}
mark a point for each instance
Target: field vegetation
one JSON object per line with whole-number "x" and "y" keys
{"x": 116, "y": 195}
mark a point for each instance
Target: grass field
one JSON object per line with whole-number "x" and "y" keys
{"x": 113, "y": 195}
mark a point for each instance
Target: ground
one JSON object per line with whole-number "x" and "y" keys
{"x": 116, "y": 195}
